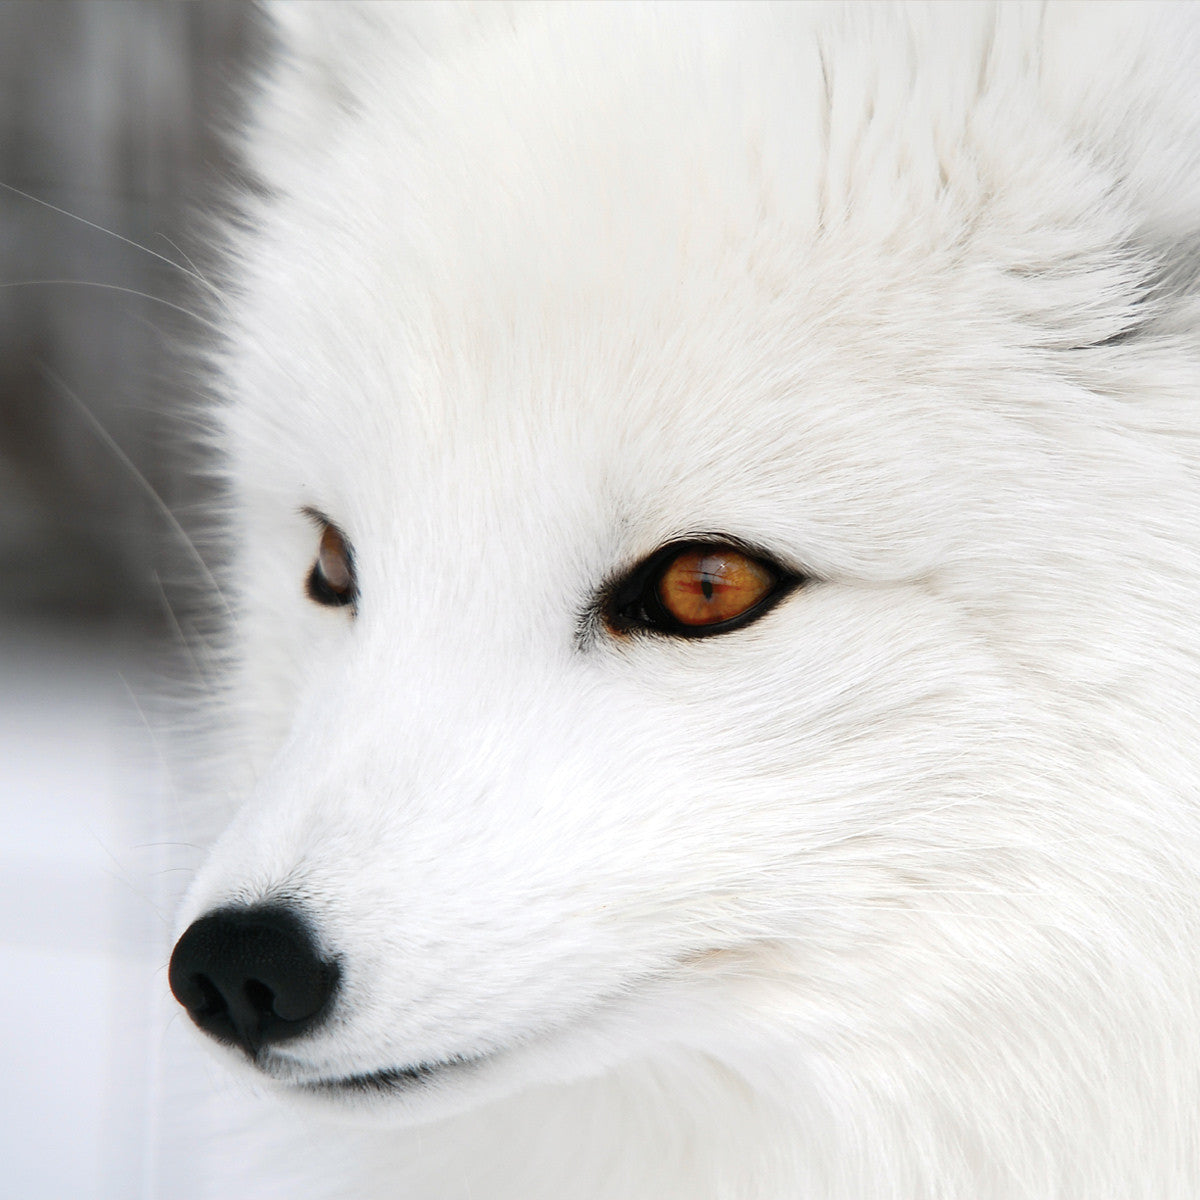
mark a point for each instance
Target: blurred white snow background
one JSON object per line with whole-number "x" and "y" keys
{"x": 81, "y": 926}
{"x": 107, "y": 148}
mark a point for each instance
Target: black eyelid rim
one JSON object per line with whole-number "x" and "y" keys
{"x": 636, "y": 585}
{"x": 315, "y": 586}
{"x": 319, "y": 519}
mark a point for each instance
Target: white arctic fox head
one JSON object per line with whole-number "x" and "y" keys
{"x": 893, "y": 303}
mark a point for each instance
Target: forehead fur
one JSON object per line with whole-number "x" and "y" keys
{"x": 721, "y": 231}
{"x": 529, "y": 193}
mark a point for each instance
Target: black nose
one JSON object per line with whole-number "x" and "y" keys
{"x": 251, "y": 976}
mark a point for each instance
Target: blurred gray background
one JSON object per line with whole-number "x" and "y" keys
{"x": 108, "y": 151}
{"x": 108, "y": 112}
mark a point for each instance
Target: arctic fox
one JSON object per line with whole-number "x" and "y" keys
{"x": 717, "y": 604}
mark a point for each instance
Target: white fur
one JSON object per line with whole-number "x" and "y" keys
{"x": 894, "y": 893}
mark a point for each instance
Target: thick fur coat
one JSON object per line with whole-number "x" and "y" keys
{"x": 890, "y": 894}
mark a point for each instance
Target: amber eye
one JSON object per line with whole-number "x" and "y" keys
{"x": 694, "y": 589}
{"x": 708, "y": 587}
{"x": 331, "y": 581}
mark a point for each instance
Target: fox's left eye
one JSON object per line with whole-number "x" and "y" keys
{"x": 331, "y": 581}
{"x": 693, "y": 589}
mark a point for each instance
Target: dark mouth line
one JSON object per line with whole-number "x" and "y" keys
{"x": 395, "y": 1080}
{"x": 391, "y": 1079}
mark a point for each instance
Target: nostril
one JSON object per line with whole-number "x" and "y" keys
{"x": 260, "y": 997}
{"x": 251, "y": 977}
{"x": 211, "y": 1002}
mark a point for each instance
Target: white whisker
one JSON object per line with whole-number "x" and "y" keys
{"x": 159, "y": 503}
{"x": 111, "y": 287}
{"x": 191, "y": 274}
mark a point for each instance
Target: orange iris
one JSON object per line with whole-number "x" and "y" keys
{"x": 706, "y": 587}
